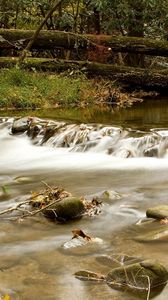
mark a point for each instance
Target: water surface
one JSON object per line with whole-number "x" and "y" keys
{"x": 34, "y": 264}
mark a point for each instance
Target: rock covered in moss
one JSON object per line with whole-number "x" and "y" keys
{"x": 144, "y": 278}
{"x": 138, "y": 277}
{"x": 158, "y": 212}
{"x": 66, "y": 209}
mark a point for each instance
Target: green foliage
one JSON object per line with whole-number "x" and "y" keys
{"x": 27, "y": 90}
{"x": 149, "y": 16}
{"x": 17, "y": 77}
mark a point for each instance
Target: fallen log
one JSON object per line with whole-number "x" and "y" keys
{"x": 47, "y": 40}
{"x": 150, "y": 79}
{"x": 18, "y": 39}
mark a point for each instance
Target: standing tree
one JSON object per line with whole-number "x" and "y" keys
{"x": 34, "y": 37}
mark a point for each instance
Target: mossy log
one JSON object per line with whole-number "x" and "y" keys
{"x": 149, "y": 79}
{"x": 18, "y": 39}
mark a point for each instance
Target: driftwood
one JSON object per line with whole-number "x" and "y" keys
{"x": 141, "y": 78}
{"x": 47, "y": 40}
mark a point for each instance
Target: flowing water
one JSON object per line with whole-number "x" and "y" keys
{"x": 125, "y": 152}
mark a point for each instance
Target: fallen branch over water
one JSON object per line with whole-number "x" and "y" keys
{"x": 54, "y": 203}
{"x": 14, "y": 208}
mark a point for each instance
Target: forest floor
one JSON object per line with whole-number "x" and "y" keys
{"x": 20, "y": 89}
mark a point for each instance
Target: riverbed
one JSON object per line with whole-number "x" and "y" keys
{"x": 34, "y": 263}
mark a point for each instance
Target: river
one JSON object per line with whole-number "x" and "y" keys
{"x": 34, "y": 264}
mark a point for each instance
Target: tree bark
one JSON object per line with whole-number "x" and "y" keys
{"x": 97, "y": 25}
{"x": 17, "y": 39}
{"x": 130, "y": 77}
{"x": 136, "y": 29}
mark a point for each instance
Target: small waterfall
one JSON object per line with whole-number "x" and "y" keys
{"x": 92, "y": 138}
{"x": 111, "y": 140}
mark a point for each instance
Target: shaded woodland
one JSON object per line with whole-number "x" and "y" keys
{"x": 121, "y": 40}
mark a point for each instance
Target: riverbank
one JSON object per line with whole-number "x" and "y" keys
{"x": 21, "y": 89}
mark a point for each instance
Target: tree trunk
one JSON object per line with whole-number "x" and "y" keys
{"x": 4, "y": 23}
{"x": 136, "y": 29}
{"x": 97, "y": 26}
{"x": 17, "y": 39}
{"x": 130, "y": 77}
{"x": 76, "y": 16}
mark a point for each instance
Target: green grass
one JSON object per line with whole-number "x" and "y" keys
{"x": 30, "y": 90}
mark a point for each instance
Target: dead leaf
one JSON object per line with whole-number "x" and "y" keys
{"x": 164, "y": 221}
{"x": 79, "y": 233}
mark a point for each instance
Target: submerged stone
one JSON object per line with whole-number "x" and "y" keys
{"x": 158, "y": 212}
{"x": 67, "y": 209}
{"x": 80, "y": 238}
{"x": 117, "y": 260}
{"x": 157, "y": 235}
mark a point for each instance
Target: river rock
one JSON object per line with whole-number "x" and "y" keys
{"x": 157, "y": 235}
{"x": 67, "y": 209}
{"x": 34, "y": 130}
{"x": 152, "y": 151}
{"x": 158, "y": 212}
{"x": 145, "y": 279}
{"x": 21, "y": 125}
{"x": 139, "y": 277}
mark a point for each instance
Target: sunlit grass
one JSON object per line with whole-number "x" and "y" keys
{"x": 24, "y": 89}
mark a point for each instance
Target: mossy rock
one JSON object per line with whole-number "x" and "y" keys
{"x": 67, "y": 209}
{"x": 146, "y": 279}
{"x": 139, "y": 277}
{"x": 157, "y": 212}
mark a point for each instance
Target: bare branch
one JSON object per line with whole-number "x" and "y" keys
{"x": 11, "y": 209}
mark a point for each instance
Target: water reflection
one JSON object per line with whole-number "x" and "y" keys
{"x": 150, "y": 113}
